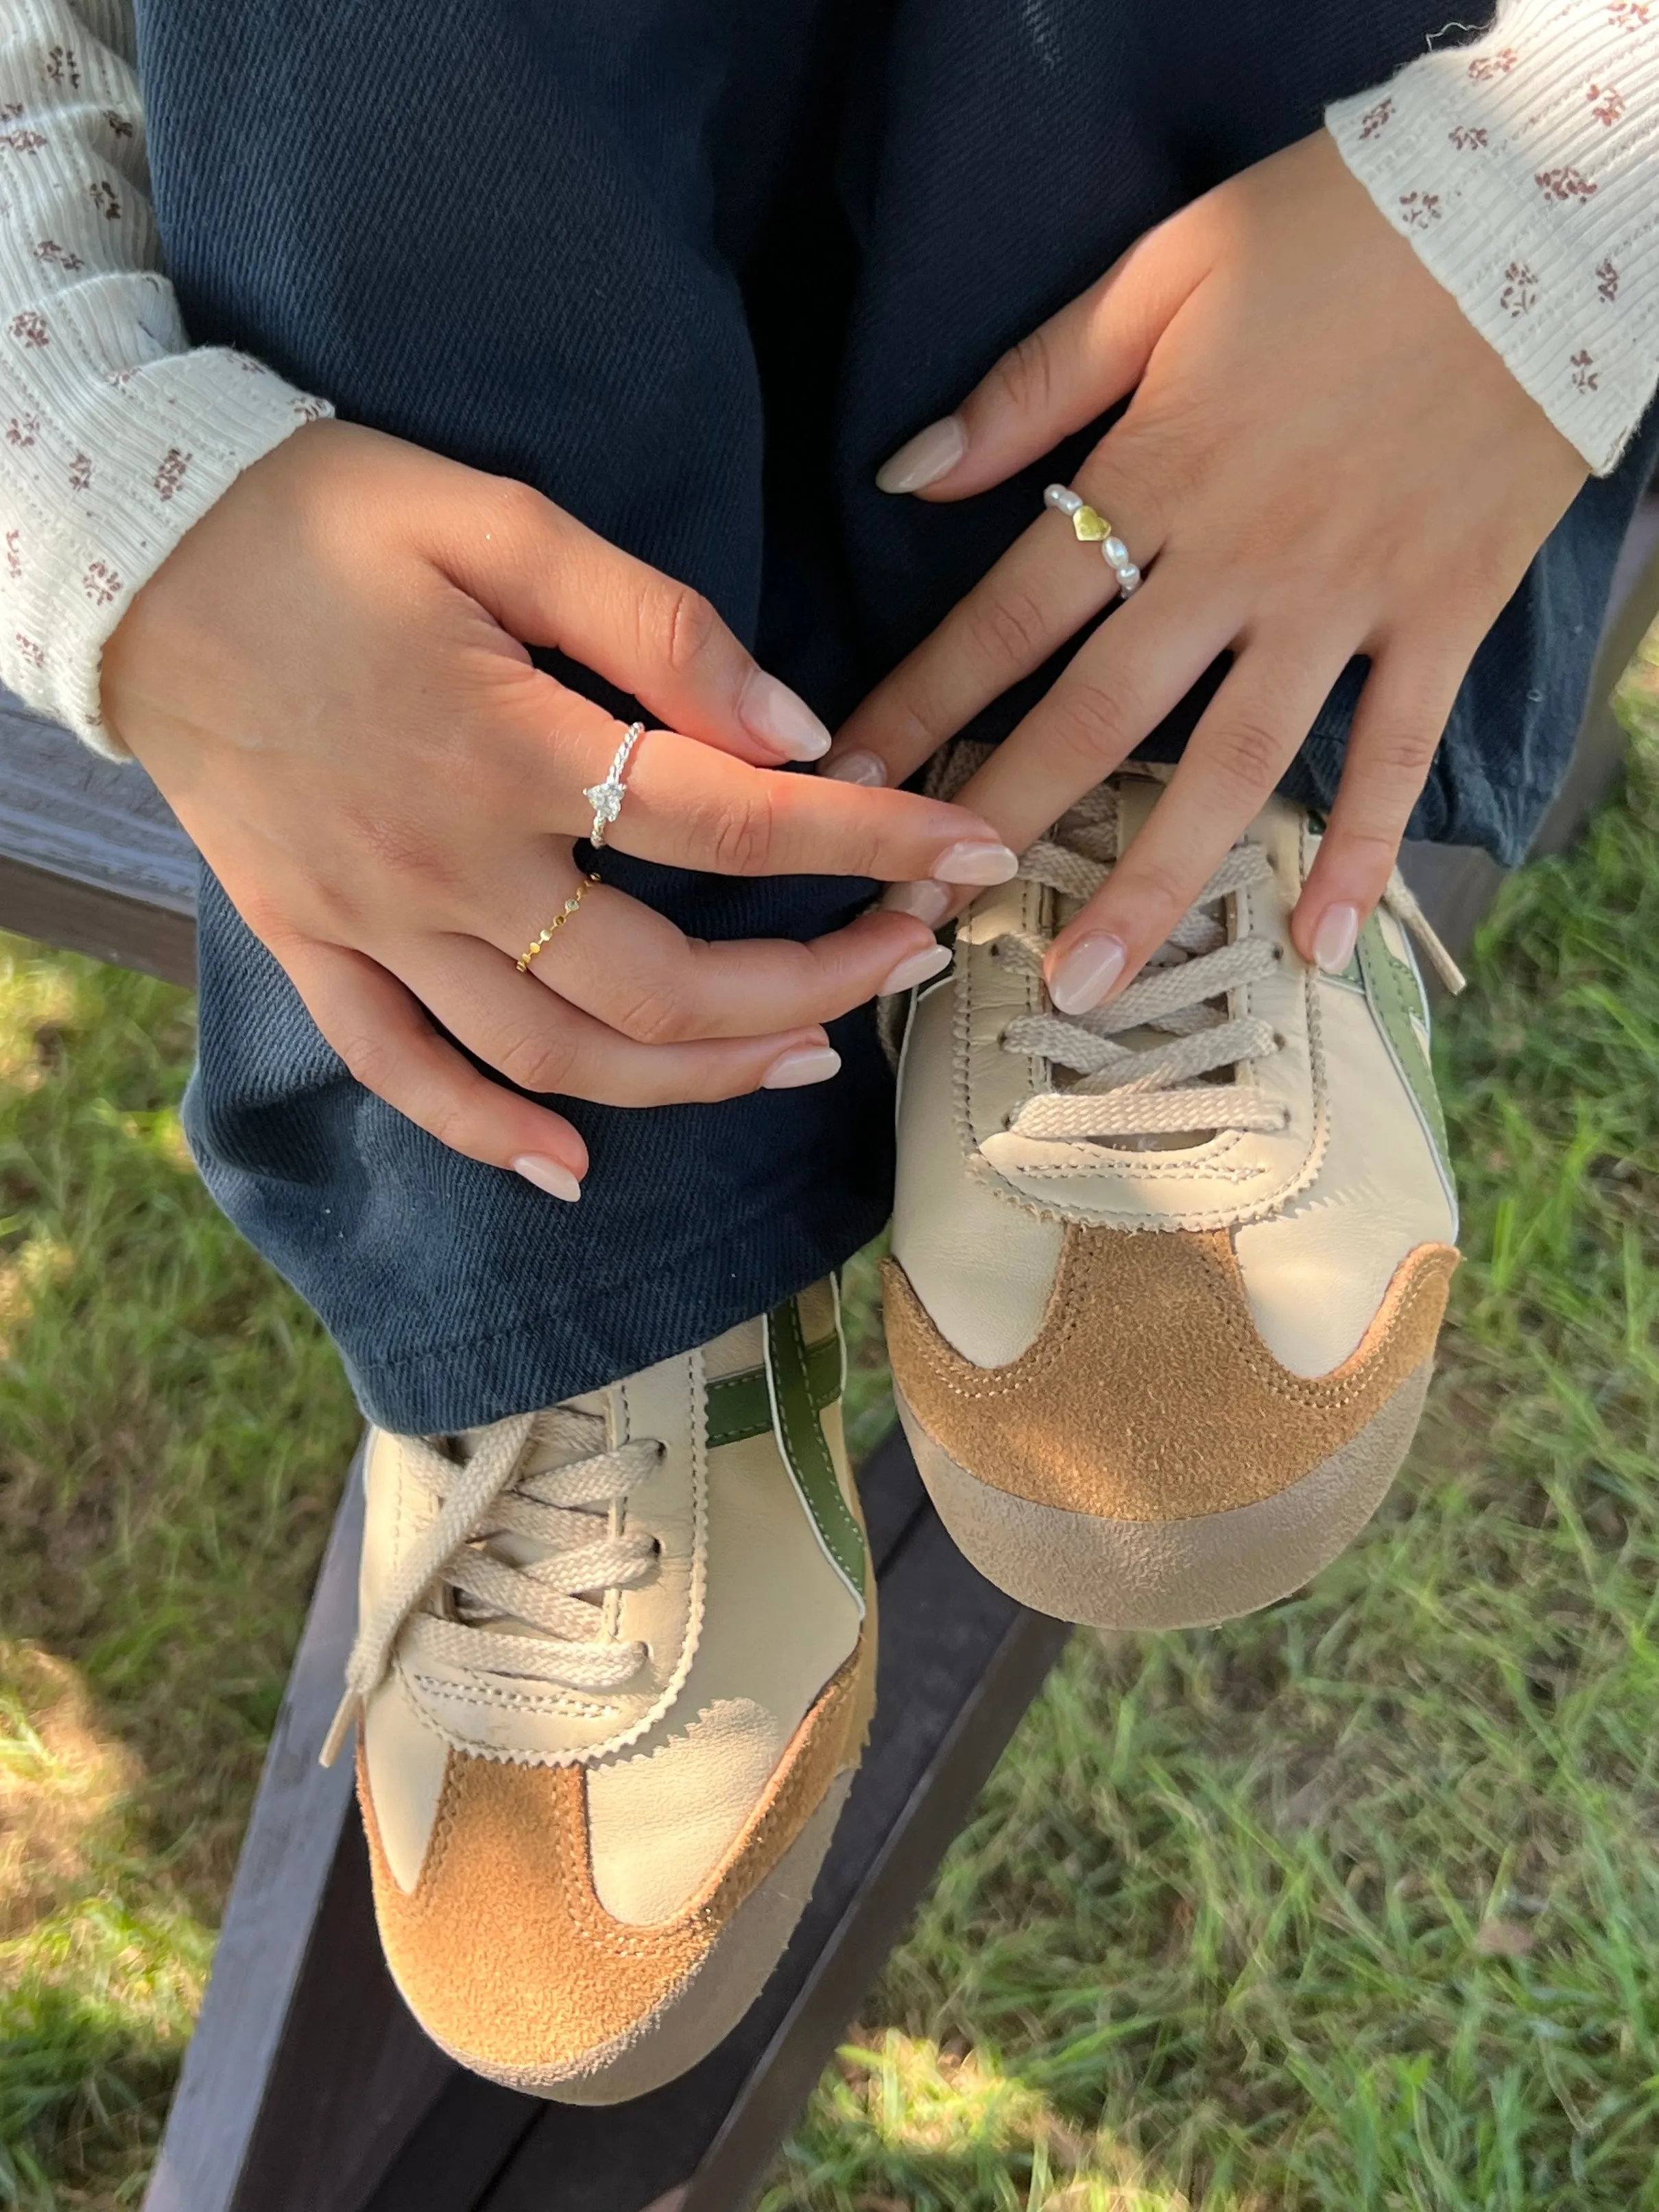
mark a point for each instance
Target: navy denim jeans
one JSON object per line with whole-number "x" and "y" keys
{"x": 694, "y": 268}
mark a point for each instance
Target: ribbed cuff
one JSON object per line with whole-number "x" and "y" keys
{"x": 1524, "y": 171}
{"x": 147, "y": 450}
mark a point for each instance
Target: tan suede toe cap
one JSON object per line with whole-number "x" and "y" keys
{"x": 1148, "y": 1394}
{"x": 503, "y": 1951}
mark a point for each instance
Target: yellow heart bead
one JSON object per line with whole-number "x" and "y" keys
{"x": 1090, "y": 527}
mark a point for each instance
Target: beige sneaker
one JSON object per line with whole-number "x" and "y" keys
{"x": 615, "y": 1671}
{"x": 1167, "y": 1279}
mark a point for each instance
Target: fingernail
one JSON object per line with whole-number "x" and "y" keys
{"x": 931, "y": 454}
{"x": 929, "y": 902}
{"x": 551, "y": 1175}
{"x": 915, "y": 968}
{"x": 1334, "y": 938}
{"x": 1085, "y": 973}
{"x": 975, "y": 864}
{"x": 811, "y": 1063}
{"x": 770, "y": 711}
{"x": 856, "y": 767}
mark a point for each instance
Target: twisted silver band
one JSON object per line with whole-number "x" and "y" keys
{"x": 606, "y": 798}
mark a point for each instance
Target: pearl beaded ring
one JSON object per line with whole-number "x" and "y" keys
{"x": 1094, "y": 529}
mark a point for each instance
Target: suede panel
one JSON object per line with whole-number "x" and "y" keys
{"x": 503, "y": 1952}
{"x": 1147, "y": 1393}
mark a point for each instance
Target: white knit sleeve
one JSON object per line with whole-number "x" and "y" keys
{"x": 115, "y": 433}
{"x": 1524, "y": 168}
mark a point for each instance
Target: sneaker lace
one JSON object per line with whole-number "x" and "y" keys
{"x": 1125, "y": 1091}
{"x": 513, "y": 1573}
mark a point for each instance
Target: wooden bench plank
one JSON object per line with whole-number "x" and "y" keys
{"x": 90, "y": 855}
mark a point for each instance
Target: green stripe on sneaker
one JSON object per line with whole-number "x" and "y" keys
{"x": 739, "y": 1405}
{"x": 795, "y": 1418}
{"x": 1402, "y": 1014}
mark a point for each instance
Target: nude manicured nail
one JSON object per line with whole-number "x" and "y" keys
{"x": 1085, "y": 973}
{"x": 812, "y": 1063}
{"x": 770, "y": 711}
{"x": 929, "y": 902}
{"x": 551, "y": 1175}
{"x": 857, "y": 768}
{"x": 1334, "y": 938}
{"x": 917, "y": 968}
{"x": 974, "y": 864}
{"x": 931, "y": 454}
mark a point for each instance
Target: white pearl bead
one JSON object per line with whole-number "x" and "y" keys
{"x": 1062, "y": 498}
{"x": 1128, "y": 579}
{"x": 1115, "y": 551}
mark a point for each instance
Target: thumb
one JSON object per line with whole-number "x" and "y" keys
{"x": 1069, "y": 371}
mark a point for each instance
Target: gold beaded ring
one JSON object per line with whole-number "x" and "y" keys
{"x": 557, "y": 924}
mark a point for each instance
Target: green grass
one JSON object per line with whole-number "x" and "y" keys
{"x": 1351, "y": 1905}
{"x": 172, "y": 1429}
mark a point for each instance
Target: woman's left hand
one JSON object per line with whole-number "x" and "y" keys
{"x": 1321, "y": 459}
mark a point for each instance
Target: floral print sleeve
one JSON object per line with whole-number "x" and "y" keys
{"x": 1524, "y": 169}
{"x": 115, "y": 434}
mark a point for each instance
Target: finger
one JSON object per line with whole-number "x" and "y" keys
{"x": 1247, "y": 737}
{"x": 1116, "y": 691}
{"x": 635, "y": 972}
{"x": 1402, "y": 712}
{"x": 390, "y": 1047}
{"x": 1041, "y": 592}
{"x": 1070, "y": 370}
{"x": 689, "y": 806}
{"x": 541, "y": 1044}
{"x": 551, "y": 581}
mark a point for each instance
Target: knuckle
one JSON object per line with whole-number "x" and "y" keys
{"x": 1092, "y": 721}
{"x": 1162, "y": 896}
{"x": 1248, "y": 754}
{"x": 451, "y": 1125}
{"x": 370, "y": 1059}
{"x": 1025, "y": 377}
{"x": 915, "y": 725}
{"x": 1402, "y": 749}
{"x": 740, "y": 836}
{"x": 684, "y": 626}
{"x": 1007, "y": 629}
{"x": 516, "y": 508}
{"x": 540, "y": 1060}
{"x": 266, "y": 917}
{"x": 1374, "y": 851}
{"x": 652, "y": 1015}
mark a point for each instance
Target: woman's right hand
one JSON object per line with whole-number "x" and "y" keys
{"x": 328, "y": 680}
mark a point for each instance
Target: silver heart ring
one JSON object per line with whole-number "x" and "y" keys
{"x": 605, "y": 799}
